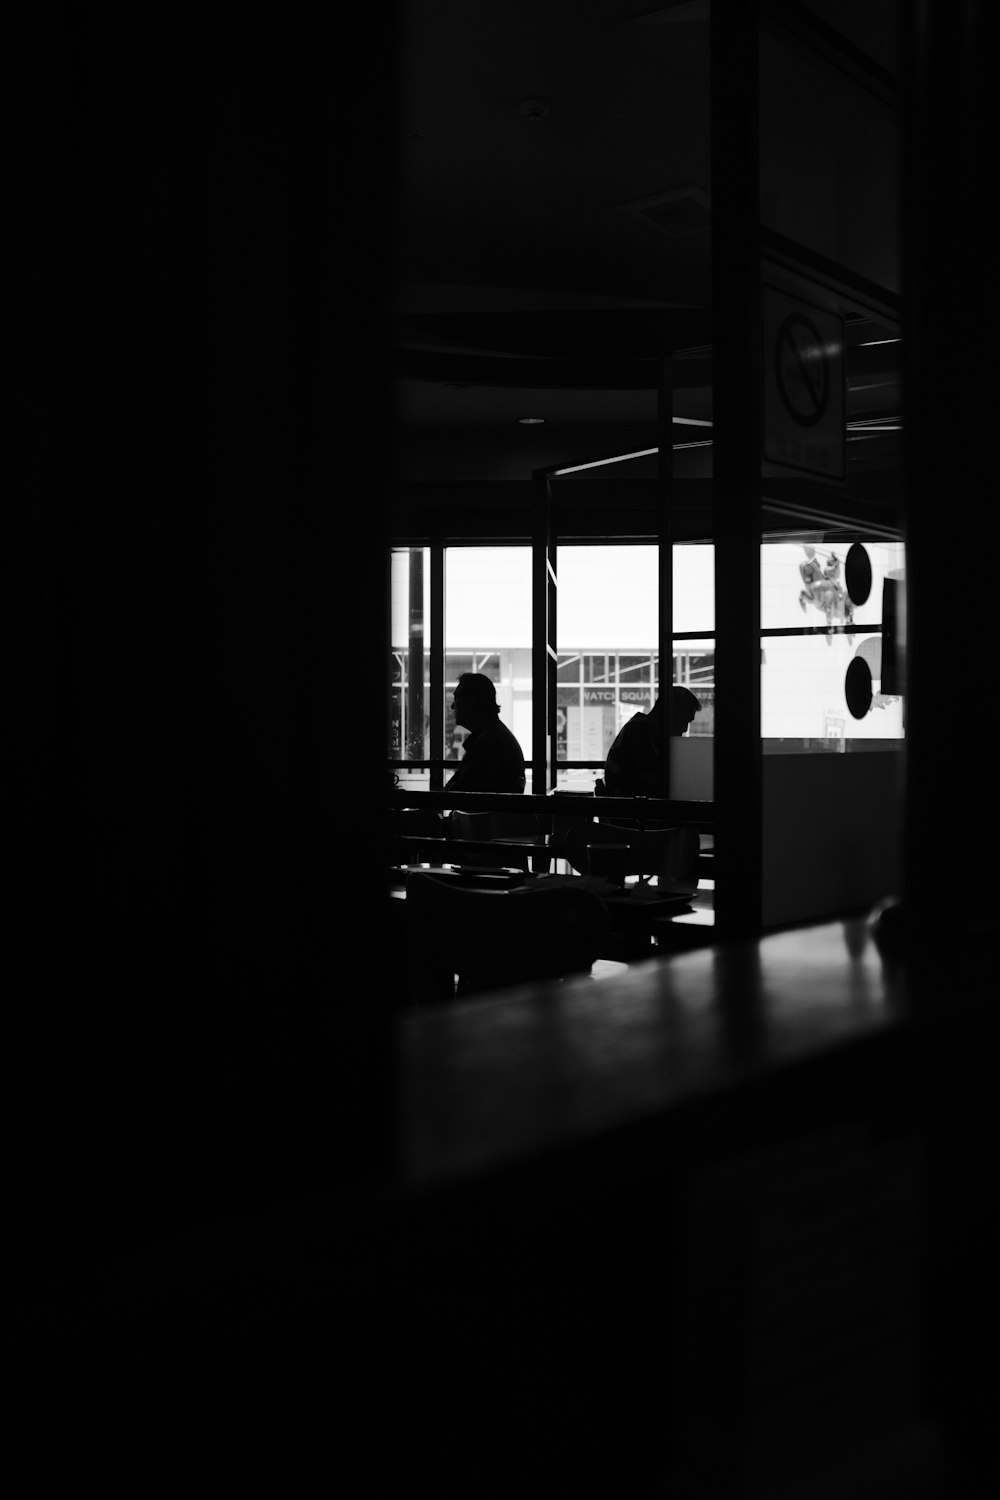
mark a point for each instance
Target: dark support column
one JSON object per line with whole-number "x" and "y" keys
{"x": 736, "y": 394}
{"x": 198, "y": 713}
{"x": 437, "y": 673}
{"x": 665, "y": 475}
{"x": 543, "y": 635}
{"x": 950, "y": 800}
{"x": 415, "y": 659}
{"x": 950, "y": 471}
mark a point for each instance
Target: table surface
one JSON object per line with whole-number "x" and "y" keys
{"x": 487, "y": 1084}
{"x": 637, "y": 897}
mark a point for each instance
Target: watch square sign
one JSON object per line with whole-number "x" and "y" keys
{"x": 803, "y": 385}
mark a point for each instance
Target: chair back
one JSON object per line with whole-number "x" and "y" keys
{"x": 407, "y": 827}
{"x": 519, "y": 825}
{"x": 671, "y": 854}
{"x": 479, "y": 826}
{"x": 527, "y": 828}
{"x": 416, "y": 822}
{"x": 471, "y": 825}
{"x": 462, "y": 941}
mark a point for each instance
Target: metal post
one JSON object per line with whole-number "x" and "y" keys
{"x": 415, "y": 659}
{"x": 437, "y": 658}
{"x": 543, "y": 627}
{"x": 736, "y": 394}
{"x": 949, "y": 374}
{"x": 665, "y": 476}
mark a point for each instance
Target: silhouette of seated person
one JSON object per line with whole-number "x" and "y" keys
{"x": 632, "y": 768}
{"x": 493, "y": 760}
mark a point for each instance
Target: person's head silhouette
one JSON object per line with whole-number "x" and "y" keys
{"x": 683, "y": 705}
{"x": 475, "y": 700}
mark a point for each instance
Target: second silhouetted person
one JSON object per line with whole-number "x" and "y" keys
{"x": 632, "y": 768}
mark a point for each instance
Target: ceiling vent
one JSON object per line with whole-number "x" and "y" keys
{"x": 682, "y": 211}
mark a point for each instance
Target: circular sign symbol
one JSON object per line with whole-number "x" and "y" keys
{"x": 858, "y": 573}
{"x": 802, "y": 368}
{"x": 871, "y": 649}
{"x": 858, "y": 687}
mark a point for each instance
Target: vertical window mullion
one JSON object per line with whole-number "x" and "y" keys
{"x": 437, "y": 704}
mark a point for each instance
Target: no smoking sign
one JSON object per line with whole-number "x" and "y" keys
{"x": 803, "y": 385}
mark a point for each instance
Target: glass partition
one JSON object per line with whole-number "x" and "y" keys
{"x": 694, "y": 630}
{"x": 409, "y": 635}
{"x": 811, "y": 631}
{"x": 608, "y": 661}
{"x": 488, "y": 630}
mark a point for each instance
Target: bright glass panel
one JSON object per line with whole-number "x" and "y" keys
{"x": 608, "y": 660}
{"x": 803, "y": 699}
{"x": 694, "y": 588}
{"x": 608, "y": 665}
{"x": 409, "y": 665}
{"x": 488, "y": 630}
{"x": 607, "y": 600}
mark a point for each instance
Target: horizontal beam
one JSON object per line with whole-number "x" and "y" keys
{"x": 559, "y": 804}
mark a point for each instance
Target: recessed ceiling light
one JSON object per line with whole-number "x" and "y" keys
{"x": 531, "y": 421}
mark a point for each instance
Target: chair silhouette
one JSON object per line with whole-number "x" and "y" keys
{"x": 527, "y": 828}
{"x": 669, "y": 854}
{"x": 462, "y": 942}
{"x": 409, "y": 825}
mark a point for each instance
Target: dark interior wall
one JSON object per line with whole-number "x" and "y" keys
{"x": 479, "y": 454}
{"x": 188, "y": 573}
{"x": 499, "y": 455}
